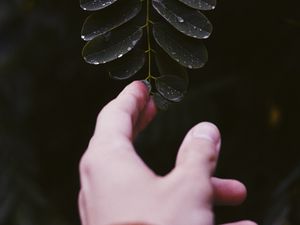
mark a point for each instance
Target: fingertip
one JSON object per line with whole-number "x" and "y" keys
{"x": 229, "y": 192}
{"x": 119, "y": 117}
{"x": 136, "y": 87}
{"x": 134, "y": 97}
{"x": 208, "y": 131}
{"x": 147, "y": 84}
{"x": 241, "y": 191}
{"x": 200, "y": 149}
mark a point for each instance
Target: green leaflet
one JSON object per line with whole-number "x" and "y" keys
{"x": 114, "y": 45}
{"x": 102, "y": 21}
{"x": 189, "y": 21}
{"x": 126, "y": 66}
{"x": 190, "y": 53}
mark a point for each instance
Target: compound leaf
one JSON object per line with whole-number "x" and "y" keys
{"x": 169, "y": 31}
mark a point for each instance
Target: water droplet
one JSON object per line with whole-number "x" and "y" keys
{"x": 180, "y": 19}
{"x": 120, "y": 55}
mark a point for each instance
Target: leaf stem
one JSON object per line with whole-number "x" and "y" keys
{"x": 148, "y": 22}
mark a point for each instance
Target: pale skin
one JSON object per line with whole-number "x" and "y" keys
{"x": 118, "y": 188}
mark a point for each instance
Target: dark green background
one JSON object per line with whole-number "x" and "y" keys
{"x": 49, "y": 99}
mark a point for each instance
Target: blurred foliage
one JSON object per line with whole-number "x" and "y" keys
{"x": 49, "y": 99}
{"x": 285, "y": 205}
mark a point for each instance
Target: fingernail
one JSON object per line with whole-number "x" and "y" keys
{"x": 209, "y": 132}
{"x": 147, "y": 84}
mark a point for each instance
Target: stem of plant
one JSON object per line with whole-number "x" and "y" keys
{"x": 149, "y": 49}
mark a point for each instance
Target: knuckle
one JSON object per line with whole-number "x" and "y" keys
{"x": 206, "y": 190}
{"x": 195, "y": 182}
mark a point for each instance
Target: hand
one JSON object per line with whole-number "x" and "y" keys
{"x": 118, "y": 188}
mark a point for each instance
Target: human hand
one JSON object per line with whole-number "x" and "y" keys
{"x": 118, "y": 188}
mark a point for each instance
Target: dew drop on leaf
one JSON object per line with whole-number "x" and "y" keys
{"x": 201, "y": 4}
{"x": 119, "y": 43}
{"x": 187, "y": 20}
{"x": 126, "y": 66}
{"x": 102, "y": 22}
{"x": 93, "y": 5}
{"x": 171, "y": 87}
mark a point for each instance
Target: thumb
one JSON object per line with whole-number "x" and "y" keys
{"x": 199, "y": 151}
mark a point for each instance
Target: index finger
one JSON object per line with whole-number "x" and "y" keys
{"x": 119, "y": 118}
{"x": 111, "y": 150}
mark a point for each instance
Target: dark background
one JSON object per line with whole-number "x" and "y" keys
{"x": 49, "y": 99}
